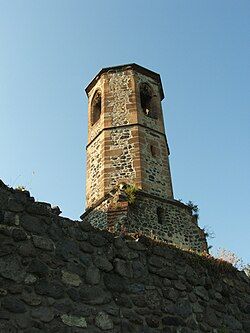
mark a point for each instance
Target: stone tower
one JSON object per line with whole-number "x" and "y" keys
{"x": 127, "y": 149}
{"x": 126, "y": 136}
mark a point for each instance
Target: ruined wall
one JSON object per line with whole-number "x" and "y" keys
{"x": 58, "y": 275}
{"x": 175, "y": 225}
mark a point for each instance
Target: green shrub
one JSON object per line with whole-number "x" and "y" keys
{"x": 131, "y": 190}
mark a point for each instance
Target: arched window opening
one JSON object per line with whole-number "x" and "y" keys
{"x": 147, "y": 102}
{"x": 96, "y": 108}
{"x": 160, "y": 215}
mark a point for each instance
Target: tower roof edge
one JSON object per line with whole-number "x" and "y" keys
{"x": 134, "y": 66}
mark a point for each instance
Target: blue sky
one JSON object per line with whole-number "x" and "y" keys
{"x": 49, "y": 52}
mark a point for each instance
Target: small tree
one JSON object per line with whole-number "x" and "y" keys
{"x": 130, "y": 191}
{"x": 194, "y": 207}
{"x": 208, "y": 232}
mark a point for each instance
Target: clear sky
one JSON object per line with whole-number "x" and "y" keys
{"x": 49, "y": 52}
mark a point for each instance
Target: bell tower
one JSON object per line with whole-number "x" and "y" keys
{"x": 126, "y": 137}
{"x": 127, "y": 149}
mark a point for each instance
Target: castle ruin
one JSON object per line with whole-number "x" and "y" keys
{"x": 129, "y": 184}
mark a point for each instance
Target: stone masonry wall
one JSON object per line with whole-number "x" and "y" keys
{"x": 177, "y": 225}
{"x": 121, "y": 141}
{"x": 112, "y": 155}
{"x": 121, "y": 161}
{"x": 119, "y": 95}
{"x": 156, "y": 177}
{"x": 95, "y": 170}
{"x": 58, "y": 275}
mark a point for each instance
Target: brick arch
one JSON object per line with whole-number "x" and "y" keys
{"x": 96, "y": 107}
{"x": 147, "y": 100}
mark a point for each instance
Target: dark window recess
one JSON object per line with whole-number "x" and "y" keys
{"x": 147, "y": 102}
{"x": 96, "y": 108}
{"x": 153, "y": 150}
{"x": 160, "y": 215}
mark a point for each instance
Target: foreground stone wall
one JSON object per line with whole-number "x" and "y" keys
{"x": 58, "y": 275}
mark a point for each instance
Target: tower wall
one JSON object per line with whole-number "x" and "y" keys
{"x": 156, "y": 177}
{"x": 95, "y": 170}
{"x": 121, "y": 141}
{"x": 122, "y": 157}
{"x": 156, "y": 123}
{"x": 95, "y": 150}
{"x": 113, "y": 141}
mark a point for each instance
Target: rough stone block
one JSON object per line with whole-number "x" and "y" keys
{"x": 43, "y": 243}
{"x": 74, "y": 321}
{"x": 103, "y": 321}
{"x": 71, "y": 279}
